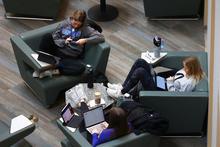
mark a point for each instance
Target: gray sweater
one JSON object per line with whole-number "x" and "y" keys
{"x": 183, "y": 84}
{"x": 63, "y": 31}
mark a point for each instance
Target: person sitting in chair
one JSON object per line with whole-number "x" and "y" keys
{"x": 69, "y": 39}
{"x": 141, "y": 77}
{"x": 118, "y": 126}
{"x": 70, "y": 36}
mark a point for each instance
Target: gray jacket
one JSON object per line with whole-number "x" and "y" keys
{"x": 183, "y": 84}
{"x": 63, "y": 31}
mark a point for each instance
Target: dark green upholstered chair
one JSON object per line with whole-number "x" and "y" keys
{"x": 186, "y": 111}
{"x": 33, "y": 8}
{"x": 78, "y": 139}
{"x": 7, "y": 139}
{"x": 172, "y": 8}
{"x": 48, "y": 89}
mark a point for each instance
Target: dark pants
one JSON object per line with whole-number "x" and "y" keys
{"x": 140, "y": 72}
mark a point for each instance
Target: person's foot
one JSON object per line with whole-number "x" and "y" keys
{"x": 114, "y": 93}
{"x": 115, "y": 86}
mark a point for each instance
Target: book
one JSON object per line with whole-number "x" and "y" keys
{"x": 19, "y": 123}
{"x": 149, "y": 57}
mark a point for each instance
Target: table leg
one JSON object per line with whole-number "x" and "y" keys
{"x": 103, "y": 12}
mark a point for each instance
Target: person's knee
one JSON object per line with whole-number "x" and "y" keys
{"x": 140, "y": 72}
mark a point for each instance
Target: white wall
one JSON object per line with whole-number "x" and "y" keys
{"x": 216, "y": 65}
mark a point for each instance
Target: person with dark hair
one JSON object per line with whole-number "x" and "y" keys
{"x": 118, "y": 126}
{"x": 68, "y": 41}
{"x": 141, "y": 77}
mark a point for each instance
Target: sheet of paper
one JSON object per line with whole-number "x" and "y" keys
{"x": 19, "y": 123}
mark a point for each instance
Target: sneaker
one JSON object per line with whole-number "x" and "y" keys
{"x": 113, "y": 93}
{"x": 35, "y": 74}
{"x": 115, "y": 86}
{"x": 45, "y": 74}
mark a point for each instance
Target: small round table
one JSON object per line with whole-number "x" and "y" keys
{"x": 103, "y": 12}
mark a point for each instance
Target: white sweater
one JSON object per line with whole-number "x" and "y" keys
{"x": 183, "y": 84}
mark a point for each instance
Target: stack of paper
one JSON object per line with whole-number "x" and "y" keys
{"x": 19, "y": 123}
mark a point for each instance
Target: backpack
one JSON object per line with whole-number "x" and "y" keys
{"x": 144, "y": 119}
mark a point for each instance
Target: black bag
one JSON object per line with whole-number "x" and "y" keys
{"x": 71, "y": 67}
{"x": 100, "y": 78}
{"x": 144, "y": 119}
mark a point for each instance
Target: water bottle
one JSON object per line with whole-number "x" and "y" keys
{"x": 157, "y": 52}
{"x": 90, "y": 76}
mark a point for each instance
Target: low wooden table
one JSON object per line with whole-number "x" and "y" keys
{"x": 72, "y": 98}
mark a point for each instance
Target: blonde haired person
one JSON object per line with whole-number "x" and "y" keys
{"x": 140, "y": 78}
{"x": 192, "y": 73}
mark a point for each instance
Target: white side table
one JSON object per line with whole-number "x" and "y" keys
{"x": 149, "y": 57}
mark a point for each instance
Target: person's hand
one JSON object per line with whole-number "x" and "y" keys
{"x": 104, "y": 125}
{"x": 68, "y": 40}
{"x": 94, "y": 130}
{"x": 170, "y": 78}
{"x": 81, "y": 41}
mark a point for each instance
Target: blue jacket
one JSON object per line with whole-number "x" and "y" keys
{"x": 105, "y": 136}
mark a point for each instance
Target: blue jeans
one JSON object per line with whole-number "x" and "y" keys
{"x": 140, "y": 72}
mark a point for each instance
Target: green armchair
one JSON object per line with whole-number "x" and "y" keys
{"x": 186, "y": 111}
{"x": 172, "y": 8}
{"x": 78, "y": 139}
{"x": 48, "y": 89}
{"x": 7, "y": 139}
{"x": 33, "y": 8}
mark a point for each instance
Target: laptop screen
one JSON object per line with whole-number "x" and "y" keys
{"x": 161, "y": 82}
{"x": 67, "y": 113}
{"x": 93, "y": 116}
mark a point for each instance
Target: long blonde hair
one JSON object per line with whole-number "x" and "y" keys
{"x": 195, "y": 70}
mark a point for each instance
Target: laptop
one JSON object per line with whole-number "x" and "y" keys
{"x": 161, "y": 82}
{"x": 69, "y": 118}
{"x": 94, "y": 118}
{"x": 48, "y": 58}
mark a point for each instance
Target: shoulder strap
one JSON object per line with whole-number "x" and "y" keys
{"x": 181, "y": 75}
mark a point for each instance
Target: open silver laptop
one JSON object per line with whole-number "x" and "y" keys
{"x": 94, "y": 118}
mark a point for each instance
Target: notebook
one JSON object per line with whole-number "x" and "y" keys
{"x": 94, "y": 118}
{"x": 161, "y": 82}
{"x": 69, "y": 118}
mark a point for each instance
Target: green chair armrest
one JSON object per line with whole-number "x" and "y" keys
{"x": 76, "y": 138}
{"x": 166, "y": 94}
{"x": 23, "y": 54}
{"x": 97, "y": 56}
{"x": 11, "y": 138}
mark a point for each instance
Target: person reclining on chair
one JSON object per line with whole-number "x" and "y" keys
{"x": 141, "y": 77}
